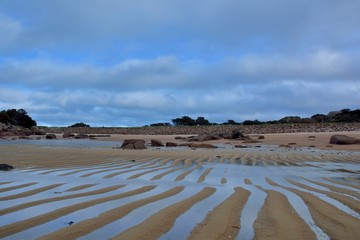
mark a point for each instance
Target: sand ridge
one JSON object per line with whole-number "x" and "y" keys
{"x": 84, "y": 192}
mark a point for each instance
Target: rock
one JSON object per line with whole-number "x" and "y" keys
{"x": 171, "y": 144}
{"x": 6, "y": 167}
{"x": 3, "y": 127}
{"x": 343, "y": 139}
{"x": 203, "y": 138}
{"x": 261, "y": 137}
{"x": 50, "y": 136}
{"x": 36, "y": 131}
{"x": 284, "y": 146}
{"x": 21, "y": 131}
{"x": 251, "y": 141}
{"x": 185, "y": 144}
{"x": 133, "y": 144}
{"x": 68, "y": 135}
{"x": 208, "y": 137}
{"x": 180, "y": 138}
{"x": 202, "y": 145}
{"x": 236, "y": 134}
{"x": 81, "y": 136}
{"x": 156, "y": 143}
{"x": 226, "y": 136}
{"x": 99, "y": 135}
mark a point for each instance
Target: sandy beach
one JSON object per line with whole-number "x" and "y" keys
{"x": 286, "y": 186}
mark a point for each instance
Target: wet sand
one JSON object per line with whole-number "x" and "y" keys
{"x": 265, "y": 192}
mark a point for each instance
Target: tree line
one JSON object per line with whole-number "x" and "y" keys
{"x": 20, "y": 117}
{"x": 17, "y": 117}
{"x": 345, "y": 115}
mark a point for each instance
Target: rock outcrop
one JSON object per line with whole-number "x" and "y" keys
{"x": 171, "y": 144}
{"x": 7, "y": 130}
{"x": 133, "y": 144}
{"x": 37, "y": 131}
{"x": 343, "y": 139}
{"x": 202, "y": 145}
{"x": 50, "y": 136}
{"x": 81, "y": 136}
{"x": 156, "y": 143}
{"x": 68, "y": 135}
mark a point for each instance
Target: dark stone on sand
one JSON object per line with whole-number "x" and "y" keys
{"x": 156, "y": 143}
{"x": 99, "y": 135}
{"x": 180, "y": 138}
{"x": 81, "y": 136}
{"x": 68, "y": 135}
{"x": 251, "y": 141}
{"x": 50, "y": 136}
{"x": 343, "y": 139}
{"x": 261, "y": 137}
{"x": 202, "y": 145}
{"x": 205, "y": 137}
{"x": 209, "y": 137}
{"x": 36, "y": 131}
{"x": 6, "y": 167}
{"x": 237, "y": 134}
{"x": 185, "y": 144}
{"x": 284, "y": 146}
{"x": 171, "y": 144}
{"x": 133, "y": 144}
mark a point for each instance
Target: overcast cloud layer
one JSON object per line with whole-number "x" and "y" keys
{"x": 131, "y": 63}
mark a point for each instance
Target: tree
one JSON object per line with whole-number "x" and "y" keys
{"x": 4, "y": 117}
{"x": 250, "y": 122}
{"x": 160, "y": 124}
{"x": 184, "y": 121}
{"x": 81, "y": 124}
{"x": 231, "y": 122}
{"x": 17, "y": 117}
{"x": 201, "y": 121}
{"x": 319, "y": 117}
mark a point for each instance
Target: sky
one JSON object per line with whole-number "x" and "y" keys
{"x": 133, "y": 63}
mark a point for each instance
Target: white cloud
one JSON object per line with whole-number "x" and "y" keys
{"x": 145, "y": 62}
{"x": 10, "y": 30}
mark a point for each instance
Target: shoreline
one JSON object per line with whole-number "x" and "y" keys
{"x": 198, "y": 130}
{"x": 317, "y": 140}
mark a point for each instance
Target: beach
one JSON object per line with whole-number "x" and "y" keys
{"x": 283, "y": 186}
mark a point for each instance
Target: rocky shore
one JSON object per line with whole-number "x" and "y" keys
{"x": 215, "y": 129}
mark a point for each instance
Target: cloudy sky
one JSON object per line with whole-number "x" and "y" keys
{"x": 131, "y": 63}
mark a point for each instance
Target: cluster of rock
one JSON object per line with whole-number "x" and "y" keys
{"x": 75, "y": 136}
{"x": 133, "y": 144}
{"x": 7, "y": 130}
{"x": 215, "y": 129}
{"x": 188, "y": 141}
{"x": 136, "y": 144}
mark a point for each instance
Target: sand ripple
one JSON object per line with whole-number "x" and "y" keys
{"x": 209, "y": 194}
